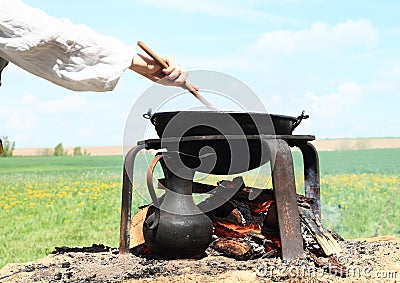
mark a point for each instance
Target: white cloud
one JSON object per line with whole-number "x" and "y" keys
{"x": 28, "y": 99}
{"x": 332, "y": 104}
{"x": 21, "y": 121}
{"x": 350, "y": 92}
{"x": 392, "y": 31}
{"x": 229, "y": 61}
{"x": 85, "y": 132}
{"x": 320, "y": 38}
{"x": 220, "y": 8}
{"x": 333, "y": 114}
{"x": 298, "y": 1}
{"x": 386, "y": 80}
{"x": 68, "y": 104}
{"x": 276, "y": 98}
{"x": 392, "y": 71}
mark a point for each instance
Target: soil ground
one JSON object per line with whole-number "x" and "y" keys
{"x": 367, "y": 260}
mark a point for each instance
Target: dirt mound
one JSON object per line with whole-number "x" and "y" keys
{"x": 372, "y": 261}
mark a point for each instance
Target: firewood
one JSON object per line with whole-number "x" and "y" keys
{"x": 237, "y": 248}
{"x": 329, "y": 245}
{"x": 137, "y": 222}
{"x": 334, "y": 242}
{"x": 246, "y": 225}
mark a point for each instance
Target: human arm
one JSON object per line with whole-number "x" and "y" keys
{"x": 69, "y": 55}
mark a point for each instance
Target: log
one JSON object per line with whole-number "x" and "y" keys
{"x": 238, "y": 248}
{"x": 137, "y": 238}
{"x": 324, "y": 238}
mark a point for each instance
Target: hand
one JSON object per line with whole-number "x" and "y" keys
{"x": 174, "y": 75}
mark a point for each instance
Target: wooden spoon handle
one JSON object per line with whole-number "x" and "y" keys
{"x": 152, "y": 54}
{"x": 187, "y": 85}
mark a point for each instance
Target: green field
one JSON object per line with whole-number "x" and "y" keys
{"x": 75, "y": 201}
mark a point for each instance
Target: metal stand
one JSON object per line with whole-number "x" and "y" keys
{"x": 284, "y": 186}
{"x": 283, "y": 182}
{"x": 126, "y": 206}
{"x": 311, "y": 175}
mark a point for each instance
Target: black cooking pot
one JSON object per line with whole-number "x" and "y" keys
{"x": 206, "y": 123}
{"x": 208, "y": 152}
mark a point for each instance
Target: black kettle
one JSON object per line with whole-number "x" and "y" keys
{"x": 174, "y": 226}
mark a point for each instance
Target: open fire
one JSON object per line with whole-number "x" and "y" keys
{"x": 247, "y": 228}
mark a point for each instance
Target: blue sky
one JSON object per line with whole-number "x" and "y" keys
{"x": 338, "y": 60}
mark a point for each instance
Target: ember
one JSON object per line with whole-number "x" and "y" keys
{"x": 238, "y": 248}
{"x": 242, "y": 222}
{"x": 263, "y": 207}
{"x": 235, "y": 230}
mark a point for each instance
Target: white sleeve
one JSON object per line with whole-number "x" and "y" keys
{"x": 69, "y": 55}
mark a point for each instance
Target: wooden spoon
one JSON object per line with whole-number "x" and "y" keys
{"x": 187, "y": 85}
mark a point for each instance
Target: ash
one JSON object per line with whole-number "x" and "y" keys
{"x": 103, "y": 264}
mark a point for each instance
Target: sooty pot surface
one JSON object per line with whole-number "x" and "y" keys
{"x": 226, "y": 155}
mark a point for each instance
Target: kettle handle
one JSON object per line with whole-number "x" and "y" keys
{"x": 151, "y": 222}
{"x": 149, "y": 180}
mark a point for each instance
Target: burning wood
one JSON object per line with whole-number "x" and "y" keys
{"x": 324, "y": 238}
{"x": 226, "y": 230}
{"x": 240, "y": 217}
{"x": 247, "y": 228}
{"x": 239, "y": 248}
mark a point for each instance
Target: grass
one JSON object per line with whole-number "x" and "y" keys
{"x": 360, "y": 191}
{"x": 361, "y": 205}
{"x": 49, "y": 164}
{"x": 40, "y": 212}
{"x": 58, "y": 201}
{"x": 68, "y": 201}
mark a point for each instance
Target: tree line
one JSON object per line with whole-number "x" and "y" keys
{"x": 7, "y": 149}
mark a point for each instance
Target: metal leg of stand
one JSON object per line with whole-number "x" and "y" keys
{"x": 311, "y": 175}
{"x": 126, "y": 206}
{"x": 284, "y": 186}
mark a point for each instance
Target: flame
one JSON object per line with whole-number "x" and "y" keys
{"x": 229, "y": 230}
{"x": 262, "y": 207}
{"x": 276, "y": 240}
{"x": 223, "y": 230}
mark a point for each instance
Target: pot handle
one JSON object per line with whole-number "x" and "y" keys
{"x": 148, "y": 114}
{"x": 299, "y": 119}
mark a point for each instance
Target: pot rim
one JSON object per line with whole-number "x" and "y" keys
{"x": 235, "y": 113}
